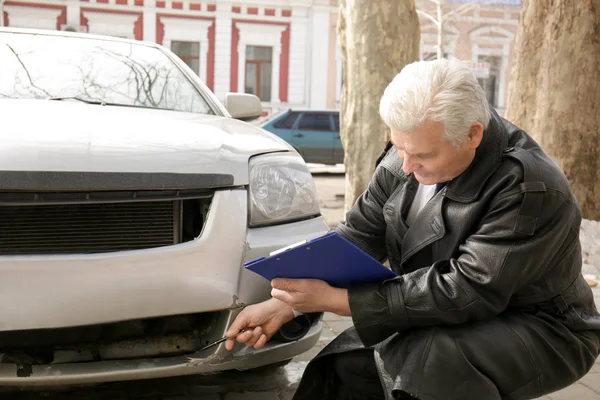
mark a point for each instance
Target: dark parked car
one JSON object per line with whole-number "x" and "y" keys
{"x": 314, "y": 134}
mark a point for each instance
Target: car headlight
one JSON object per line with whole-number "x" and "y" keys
{"x": 281, "y": 189}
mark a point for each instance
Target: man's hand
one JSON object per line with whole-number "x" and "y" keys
{"x": 260, "y": 322}
{"x": 311, "y": 295}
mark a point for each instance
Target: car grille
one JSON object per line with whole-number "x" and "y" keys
{"x": 97, "y": 227}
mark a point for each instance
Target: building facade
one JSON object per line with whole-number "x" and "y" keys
{"x": 278, "y": 50}
{"x": 284, "y": 51}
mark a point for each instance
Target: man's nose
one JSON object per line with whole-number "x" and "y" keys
{"x": 410, "y": 165}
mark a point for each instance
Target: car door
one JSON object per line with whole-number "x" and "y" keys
{"x": 338, "y": 149}
{"x": 313, "y": 137}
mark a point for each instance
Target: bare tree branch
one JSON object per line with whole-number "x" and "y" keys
{"x": 460, "y": 10}
{"x": 429, "y": 17}
{"x": 442, "y": 18}
{"x": 27, "y": 71}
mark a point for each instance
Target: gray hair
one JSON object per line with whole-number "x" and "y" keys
{"x": 438, "y": 91}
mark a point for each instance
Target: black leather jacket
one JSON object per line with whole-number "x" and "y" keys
{"x": 504, "y": 234}
{"x": 501, "y": 241}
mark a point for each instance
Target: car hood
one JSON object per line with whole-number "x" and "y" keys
{"x": 44, "y": 135}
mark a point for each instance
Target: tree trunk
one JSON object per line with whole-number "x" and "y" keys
{"x": 377, "y": 39}
{"x": 554, "y": 94}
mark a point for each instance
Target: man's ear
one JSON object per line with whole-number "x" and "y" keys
{"x": 475, "y": 135}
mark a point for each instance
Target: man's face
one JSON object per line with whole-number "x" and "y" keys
{"x": 430, "y": 157}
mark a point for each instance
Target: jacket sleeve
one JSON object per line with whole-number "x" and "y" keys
{"x": 493, "y": 263}
{"x": 365, "y": 225}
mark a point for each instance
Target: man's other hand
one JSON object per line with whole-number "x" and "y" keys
{"x": 311, "y": 295}
{"x": 259, "y": 322}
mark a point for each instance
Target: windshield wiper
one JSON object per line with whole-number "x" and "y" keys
{"x": 102, "y": 103}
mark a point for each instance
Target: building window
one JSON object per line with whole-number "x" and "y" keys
{"x": 189, "y": 52}
{"x": 491, "y": 84}
{"x": 258, "y": 71}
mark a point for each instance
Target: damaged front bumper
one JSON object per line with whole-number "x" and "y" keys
{"x": 205, "y": 276}
{"x": 208, "y": 361}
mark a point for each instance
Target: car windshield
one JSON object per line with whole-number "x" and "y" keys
{"x": 94, "y": 70}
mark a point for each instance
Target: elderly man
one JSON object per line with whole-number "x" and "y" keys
{"x": 483, "y": 229}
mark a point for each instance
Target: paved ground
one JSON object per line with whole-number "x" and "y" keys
{"x": 271, "y": 383}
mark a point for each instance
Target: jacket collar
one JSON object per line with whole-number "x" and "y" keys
{"x": 427, "y": 228}
{"x": 467, "y": 186}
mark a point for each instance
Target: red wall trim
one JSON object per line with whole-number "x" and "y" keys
{"x": 210, "y": 57}
{"x": 160, "y": 30}
{"x": 284, "y": 64}
{"x": 233, "y": 77}
{"x": 83, "y": 20}
{"x": 138, "y": 28}
{"x": 62, "y": 18}
{"x": 210, "y": 67}
{"x": 60, "y": 21}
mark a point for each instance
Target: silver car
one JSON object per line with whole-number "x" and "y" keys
{"x": 129, "y": 200}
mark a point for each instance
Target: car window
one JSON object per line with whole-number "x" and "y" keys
{"x": 102, "y": 71}
{"x": 286, "y": 122}
{"x": 314, "y": 122}
{"x": 336, "y": 122}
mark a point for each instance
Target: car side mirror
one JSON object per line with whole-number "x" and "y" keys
{"x": 243, "y": 106}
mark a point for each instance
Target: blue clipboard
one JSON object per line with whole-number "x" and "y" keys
{"x": 331, "y": 258}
